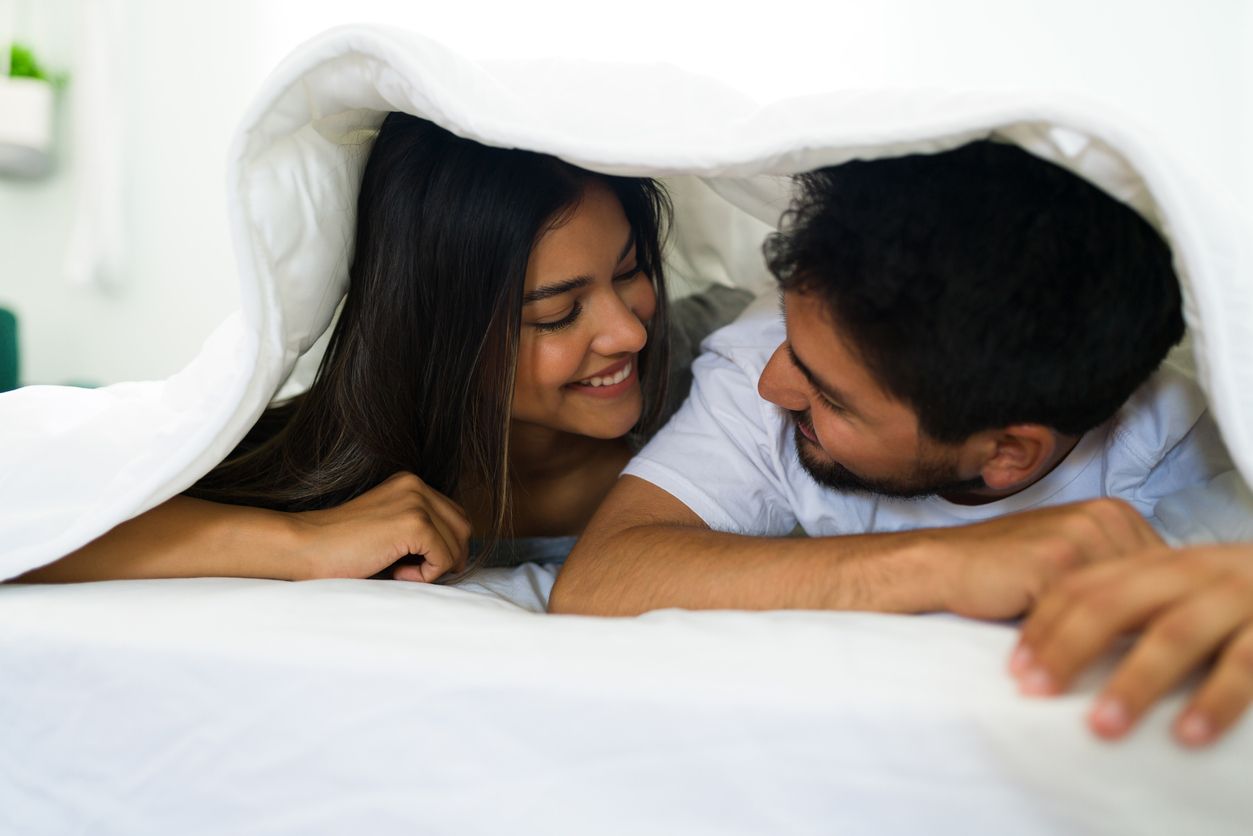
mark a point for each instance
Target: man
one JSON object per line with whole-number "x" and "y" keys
{"x": 970, "y": 346}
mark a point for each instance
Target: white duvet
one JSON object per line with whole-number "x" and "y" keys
{"x": 368, "y": 706}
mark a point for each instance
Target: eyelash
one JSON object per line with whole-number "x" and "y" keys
{"x": 834, "y": 407}
{"x": 569, "y": 319}
{"x": 564, "y": 322}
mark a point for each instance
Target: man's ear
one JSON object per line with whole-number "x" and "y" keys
{"x": 1018, "y": 455}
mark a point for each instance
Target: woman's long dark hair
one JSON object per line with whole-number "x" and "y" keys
{"x": 419, "y": 371}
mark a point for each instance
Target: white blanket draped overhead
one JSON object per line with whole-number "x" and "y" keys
{"x": 74, "y": 463}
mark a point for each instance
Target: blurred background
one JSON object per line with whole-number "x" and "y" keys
{"x": 114, "y": 253}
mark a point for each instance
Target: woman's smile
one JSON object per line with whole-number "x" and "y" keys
{"x": 610, "y": 382}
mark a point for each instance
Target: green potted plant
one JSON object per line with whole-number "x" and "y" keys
{"x": 27, "y": 98}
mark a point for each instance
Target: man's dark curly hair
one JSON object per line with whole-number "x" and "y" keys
{"x": 984, "y": 286}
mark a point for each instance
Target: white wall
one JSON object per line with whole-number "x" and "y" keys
{"x": 187, "y": 70}
{"x": 184, "y": 73}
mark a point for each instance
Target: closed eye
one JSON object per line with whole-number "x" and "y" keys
{"x": 827, "y": 403}
{"x": 564, "y": 322}
{"x": 633, "y": 273}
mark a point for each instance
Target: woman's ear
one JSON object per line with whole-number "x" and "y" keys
{"x": 1020, "y": 454}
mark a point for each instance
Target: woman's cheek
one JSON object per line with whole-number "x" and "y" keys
{"x": 559, "y": 361}
{"x": 642, "y": 300}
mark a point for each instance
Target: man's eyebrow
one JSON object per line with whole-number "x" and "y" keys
{"x": 826, "y": 389}
{"x": 550, "y": 290}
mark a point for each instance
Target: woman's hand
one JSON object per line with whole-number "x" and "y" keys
{"x": 1191, "y": 604}
{"x": 399, "y": 518}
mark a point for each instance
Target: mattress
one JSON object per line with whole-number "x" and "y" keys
{"x": 243, "y": 706}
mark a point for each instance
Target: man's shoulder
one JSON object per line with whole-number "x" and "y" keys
{"x": 1162, "y": 412}
{"x": 749, "y": 341}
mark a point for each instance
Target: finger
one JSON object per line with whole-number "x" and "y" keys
{"x": 456, "y": 538}
{"x": 1099, "y": 615}
{"x": 454, "y": 523}
{"x": 1178, "y": 641}
{"x": 408, "y": 572}
{"x": 432, "y": 563}
{"x": 1055, "y": 603}
{"x": 403, "y": 479}
{"x": 440, "y": 553}
{"x": 433, "y": 568}
{"x": 1223, "y": 697}
{"x": 417, "y": 533}
{"x": 453, "y": 516}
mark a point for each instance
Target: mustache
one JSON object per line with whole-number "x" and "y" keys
{"x": 801, "y": 418}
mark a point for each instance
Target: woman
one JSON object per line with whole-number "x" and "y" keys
{"x": 502, "y": 348}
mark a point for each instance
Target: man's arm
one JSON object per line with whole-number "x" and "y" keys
{"x": 646, "y": 550}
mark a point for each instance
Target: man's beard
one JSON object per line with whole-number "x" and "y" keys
{"x": 930, "y": 476}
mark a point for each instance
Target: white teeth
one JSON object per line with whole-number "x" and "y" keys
{"x": 622, "y": 375}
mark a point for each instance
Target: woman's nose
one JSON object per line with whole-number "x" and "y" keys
{"x": 620, "y": 330}
{"x": 779, "y": 382}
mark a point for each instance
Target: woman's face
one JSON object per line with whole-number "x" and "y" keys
{"x": 585, "y": 309}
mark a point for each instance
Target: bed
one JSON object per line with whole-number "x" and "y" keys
{"x": 227, "y": 705}
{"x": 240, "y": 706}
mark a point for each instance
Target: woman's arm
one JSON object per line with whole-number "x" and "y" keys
{"x": 186, "y": 537}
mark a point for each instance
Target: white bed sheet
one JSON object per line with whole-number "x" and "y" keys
{"x": 241, "y": 706}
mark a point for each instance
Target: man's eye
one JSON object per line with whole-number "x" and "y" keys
{"x": 634, "y": 272}
{"x": 557, "y": 325}
{"x": 827, "y": 403}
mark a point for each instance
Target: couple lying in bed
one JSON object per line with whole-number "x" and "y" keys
{"x": 959, "y": 395}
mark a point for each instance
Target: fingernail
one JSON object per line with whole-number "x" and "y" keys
{"x": 1109, "y": 716}
{"x": 1194, "y": 729}
{"x": 1036, "y": 682}
{"x": 1020, "y": 660}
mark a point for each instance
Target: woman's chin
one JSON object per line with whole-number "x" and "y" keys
{"x": 610, "y": 427}
{"x": 611, "y": 431}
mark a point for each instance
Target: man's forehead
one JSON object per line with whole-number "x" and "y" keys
{"x": 809, "y": 320}
{"x": 824, "y": 355}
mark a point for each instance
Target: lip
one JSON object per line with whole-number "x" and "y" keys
{"x": 807, "y": 431}
{"x": 607, "y": 371}
{"x": 615, "y": 390}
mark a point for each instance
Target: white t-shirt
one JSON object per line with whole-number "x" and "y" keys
{"x": 730, "y": 456}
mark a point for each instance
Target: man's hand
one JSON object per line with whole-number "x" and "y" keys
{"x": 399, "y": 517}
{"x": 1192, "y": 605}
{"x": 1000, "y": 568}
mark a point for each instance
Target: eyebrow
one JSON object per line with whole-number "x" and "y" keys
{"x": 574, "y": 283}
{"x": 550, "y": 290}
{"x": 826, "y": 389}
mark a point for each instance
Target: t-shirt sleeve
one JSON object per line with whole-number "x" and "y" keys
{"x": 692, "y": 319}
{"x": 1196, "y": 494}
{"x": 719, "y": 454}
{"x": 1167, "y": 458}
{"x": 1193, "y": 494}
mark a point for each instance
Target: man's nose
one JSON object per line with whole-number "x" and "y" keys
{"x": 779, "y": 382}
